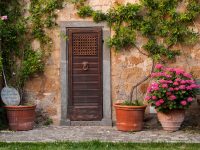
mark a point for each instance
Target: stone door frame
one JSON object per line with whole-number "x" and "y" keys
{"x": 107, "y": 108}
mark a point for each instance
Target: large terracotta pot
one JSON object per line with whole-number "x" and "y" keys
{"x": 129, "y": 118}
{"x": 21, "y": 118}
{"x": 172, "y": 120}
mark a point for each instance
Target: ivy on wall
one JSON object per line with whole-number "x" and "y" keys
{"x": 19, "y": 60}
{"x": 160, "y": 22}
{"x": 43, "y": 17}
{"x": 151, "y": 19}
{"x": 18, "y": 31}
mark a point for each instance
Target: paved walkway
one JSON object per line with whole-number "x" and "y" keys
{"x": 85, "y": 133}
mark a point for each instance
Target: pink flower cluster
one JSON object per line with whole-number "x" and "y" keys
{"x": 154, "y": 87}
{"x": 171, "y": 88}
{"x": 4, "y": 17}
{"x": 160, "y": 74}
{"x": 172, "y": 97}
{"x": 186, "y": 101}
{"x": 159, "y": 102}
{"x": 159, "y": 66}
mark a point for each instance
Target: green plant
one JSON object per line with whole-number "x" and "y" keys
{"x": 123, "y": 38}
{"x": 32, "y": 63}
{"x": 85, "y": 11}
{"x": 48, "y": 122}
{"x": 77, "y": 3}
{"x": 19, "y": 60}
{"x": 98, "y": 16}
{"x": 42, "y": 17}
{"x": 132, "y": 103}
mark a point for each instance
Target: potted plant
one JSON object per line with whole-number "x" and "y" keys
{"x": 19, "y": 62}
{"x": 171, "y": 93}
{"x": 129, "y": 115}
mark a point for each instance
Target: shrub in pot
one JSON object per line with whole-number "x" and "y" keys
{"x": 129, "y": 115}
{"x": 171, "y": 93}
{"x": 18, "y": 62}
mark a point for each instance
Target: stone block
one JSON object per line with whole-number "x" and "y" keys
{"x": 95, "y": 2}
{"x": 196, "y": 71}
{"x": 51, "y": 110}
{"x": 135, "y": 60}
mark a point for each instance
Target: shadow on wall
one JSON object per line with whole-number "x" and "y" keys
{"x": 3, "y": 115}
{"x": 42, "y": 118}
{"x": 192, "y": 118}
{"x": 3, "y": 118}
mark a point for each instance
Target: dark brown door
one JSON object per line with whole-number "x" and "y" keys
{"x": 85, "y": 74}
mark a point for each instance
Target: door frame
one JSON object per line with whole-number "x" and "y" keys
{"x": 107, "y": 109}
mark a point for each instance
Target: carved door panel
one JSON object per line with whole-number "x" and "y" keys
{"x": 85, "y": 74}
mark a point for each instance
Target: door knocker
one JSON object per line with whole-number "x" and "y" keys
{"x": 85, "y": 65}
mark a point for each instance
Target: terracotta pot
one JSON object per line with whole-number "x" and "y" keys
{"x": 21, "y": 118}
{"x": 129, "y": 118}
{"x": 172, "y": 120}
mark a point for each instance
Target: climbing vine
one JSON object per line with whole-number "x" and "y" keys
{"x": 42, "y": 16}
{"x": 160, "y": 22}
{"x": 19, "y": 60}
{"x": 17, "y": 32}
{"x": 153, "y": 20}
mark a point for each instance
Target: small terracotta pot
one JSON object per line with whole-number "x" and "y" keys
{"x": 21, "y": 118}
{"x": 129, "y": 118}
{"x": 172, "y": 120}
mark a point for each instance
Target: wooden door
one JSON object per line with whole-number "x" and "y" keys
{"x": 85, "y": 74}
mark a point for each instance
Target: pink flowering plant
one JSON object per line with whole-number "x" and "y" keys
{"x": 4, "y": 17}
{"x": 172, "y": 88}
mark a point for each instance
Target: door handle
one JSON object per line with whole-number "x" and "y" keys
{"x": 85, "y": 65}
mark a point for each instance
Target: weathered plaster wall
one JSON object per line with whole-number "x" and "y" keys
{"x": 128, "y": 67}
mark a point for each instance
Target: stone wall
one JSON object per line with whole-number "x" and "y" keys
{"x": 128, "y": 67}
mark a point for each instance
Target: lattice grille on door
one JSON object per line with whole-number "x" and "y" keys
{"x": 85, "y": 44}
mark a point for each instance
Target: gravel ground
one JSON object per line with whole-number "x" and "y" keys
{"x": 102, "y": 133}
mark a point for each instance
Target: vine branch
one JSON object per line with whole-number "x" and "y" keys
{"x": 143, "y": 80}
{"x": 140, "y": 50}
